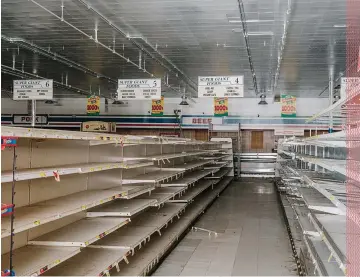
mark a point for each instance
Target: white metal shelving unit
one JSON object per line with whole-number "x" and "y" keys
{"x": 321, "y": 172}
{"x": 85, "y": 201}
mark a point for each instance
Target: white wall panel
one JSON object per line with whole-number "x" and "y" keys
{"x": 237, "y": 107}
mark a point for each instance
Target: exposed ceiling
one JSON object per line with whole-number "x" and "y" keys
{"x": 294, "y": 45}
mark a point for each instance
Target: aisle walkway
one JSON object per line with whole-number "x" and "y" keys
{"x": 251, "y": 239}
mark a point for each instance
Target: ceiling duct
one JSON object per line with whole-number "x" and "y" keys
{"x": 247, "y": 43}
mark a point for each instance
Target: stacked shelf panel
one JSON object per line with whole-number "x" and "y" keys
{"x": 104, "y": 204}
{"x": 331, "y": 194}
{"x": 43, "y": 212}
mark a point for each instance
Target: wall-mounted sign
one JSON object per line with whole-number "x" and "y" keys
{"x": 98, "y": 126}
{"x": 135, "y": 89}
{"x": 93, "y": 105}
{"x": 221, "y": 106}
{"x": 157, "y": 107}
{"x": 201, "y": 120}
{"x": 221, "y": 86}
{"x": 33, "y": 89}
{"x": 298, "y": 132}
{"x": 288, "y": 106}
{"x": 26, "y": 119}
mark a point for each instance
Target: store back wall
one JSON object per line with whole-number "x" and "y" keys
{"x": 200, "y": 106}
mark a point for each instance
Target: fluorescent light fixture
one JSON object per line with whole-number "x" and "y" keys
{"x": 260, "y": 34}
{"x": 238, "y": 20}
{"x": 340, "y": 26}
{"x": 238, "y": 30}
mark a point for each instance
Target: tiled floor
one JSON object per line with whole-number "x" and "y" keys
{"x": 251, "y": 237}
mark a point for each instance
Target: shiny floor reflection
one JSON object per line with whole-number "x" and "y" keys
{"x": 251, "y": 237}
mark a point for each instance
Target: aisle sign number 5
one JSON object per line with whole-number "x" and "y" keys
{"x": 137, "y": 89}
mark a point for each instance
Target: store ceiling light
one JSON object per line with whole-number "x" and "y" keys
{"x": 50, "y": 102}
{"x": 183, "y": 102}
{"x": 262, "y": 101}
{"x": 340, "y": 26}
{"x": 118, "y": 102}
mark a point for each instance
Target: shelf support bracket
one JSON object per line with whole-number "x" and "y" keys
{"x": 126, "y": 260}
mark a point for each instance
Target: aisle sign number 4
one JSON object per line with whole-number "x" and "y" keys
{"x": 33, "y": 89}
{"x": 221, "y": 86}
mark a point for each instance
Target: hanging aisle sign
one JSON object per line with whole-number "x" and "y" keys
{"x": 93, "y": 105}
{"x": 288, "y": 106}
{"x": 135, "y": 89}
{"x": 221, "y": 106}
{"x": 33, "y": 89}
{"x": 221, "y": 86}
{"x": 350, "y": 86}
{"x": 157, "y": 107}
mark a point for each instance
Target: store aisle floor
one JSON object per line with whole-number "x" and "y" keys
{"x": 251, "y": 237}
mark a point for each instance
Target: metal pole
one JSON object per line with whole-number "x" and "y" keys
{"x": 331, "y": 97}
{"x": 33, "y": 113}
{"x": 11, "y": 267}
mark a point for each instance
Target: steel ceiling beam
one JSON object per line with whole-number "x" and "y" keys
{"x": 54, "y": 56}
{"x": 96, "y": 41}
{"x": 247, "y": 43}
{"x": 18, "y": 73}
{"x": 283, "y": 42}
{"x": 184, "y": 78}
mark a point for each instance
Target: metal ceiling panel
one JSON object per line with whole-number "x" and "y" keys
{"x": 179, "y": 40}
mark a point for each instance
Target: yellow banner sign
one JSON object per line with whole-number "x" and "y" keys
{"x": 221, "y": 106}
{"x": 93, "y": 105}
{"x": 288, "y": 106}
{"x": 157, "y": 107}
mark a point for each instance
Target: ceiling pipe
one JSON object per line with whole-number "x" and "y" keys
{"x": 54, "y": 56}
{"x": 247, "y": 43}
{"x": 283, "y": 43}
{"x": 91, "y": 38}
{"x": 192, "y": 84}
{"x": 18, "y": 73}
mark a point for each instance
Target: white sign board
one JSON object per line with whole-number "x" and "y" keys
{"x": 298, "y": 132}
{"x": 33, "y": 89}
{"x": 349, "y": 87}
{"x": 221, "y": 86}
{"x": 26, "y": 119}
{"x": 135, "y": 89}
